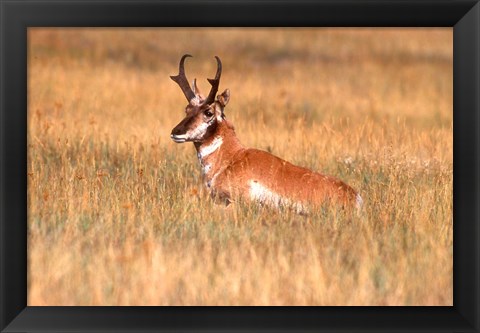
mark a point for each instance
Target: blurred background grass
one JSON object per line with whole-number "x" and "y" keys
{"x": 116, "y": 211}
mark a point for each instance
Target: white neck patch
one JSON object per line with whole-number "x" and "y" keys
{"x": 207, "y": 150}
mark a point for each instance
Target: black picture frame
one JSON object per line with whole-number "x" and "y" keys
{"x": 18, "y": 15}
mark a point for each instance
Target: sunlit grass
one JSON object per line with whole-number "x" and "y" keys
{"x": 117, "y": 213}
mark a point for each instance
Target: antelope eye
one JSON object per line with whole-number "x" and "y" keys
{"x": 207, "y": 113}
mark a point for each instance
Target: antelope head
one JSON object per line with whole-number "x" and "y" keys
{"x": 202, "y": 114}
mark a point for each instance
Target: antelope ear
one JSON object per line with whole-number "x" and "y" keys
{"x": 224, "y": 97}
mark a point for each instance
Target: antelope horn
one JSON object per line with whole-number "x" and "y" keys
{"x": 214, "y": 82}
{"x": 182, "y": 81}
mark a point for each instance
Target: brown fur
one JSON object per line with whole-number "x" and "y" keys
{"x": 235, "y": 166}
{"x": 231, "y": 170}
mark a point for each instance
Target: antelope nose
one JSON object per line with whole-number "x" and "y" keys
{"x": 178, "y": 136}
{"x": 175, "y": 131}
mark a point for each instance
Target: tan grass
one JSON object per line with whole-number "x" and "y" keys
{"x": 116, "y": 210}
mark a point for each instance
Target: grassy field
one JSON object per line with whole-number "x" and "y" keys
{"x": 117, "y": 213}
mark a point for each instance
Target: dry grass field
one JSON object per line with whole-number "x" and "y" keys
{"x": 117, "y": 213}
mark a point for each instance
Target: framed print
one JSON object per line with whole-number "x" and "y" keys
{"x": 324, "y": 177}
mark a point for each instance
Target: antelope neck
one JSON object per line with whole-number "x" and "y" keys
{"x": 223, "y": 140}
{"x": 206, "y": 149}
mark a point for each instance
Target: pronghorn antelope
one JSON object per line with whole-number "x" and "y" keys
{"x": 231, "y": 170}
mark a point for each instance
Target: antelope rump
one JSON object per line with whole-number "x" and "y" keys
{"x": 231, "y": 170}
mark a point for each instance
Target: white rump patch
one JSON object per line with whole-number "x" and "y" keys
{"x": 260, "y": 193}
{"x": 207, "y": 150}
{"x": 265, "y": 196}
